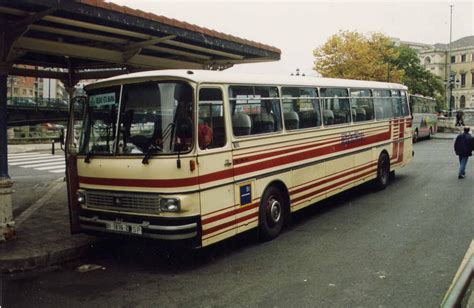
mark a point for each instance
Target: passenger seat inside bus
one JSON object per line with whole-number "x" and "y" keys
{"x": 360, "y": 114}
{"x": 292, "y": 120}
{"x": 328, "y": 117}
{"x": 369, "y": 112}
{"x": 241, "y": 124}
{"x": 263, "y": 123}
{"x": 308, "y": 118}
{"x": 219, "y": 131}
{"x": 379, "y": 114}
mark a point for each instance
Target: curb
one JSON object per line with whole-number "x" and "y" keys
{"x": 29, "y": 259}
{"x": 443, "y": 136}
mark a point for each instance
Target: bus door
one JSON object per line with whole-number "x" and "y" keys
{"x": 215, "y": 167}
{"x": 73, "y": 133}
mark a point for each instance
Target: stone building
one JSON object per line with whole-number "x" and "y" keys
{"x": 457, "y": 58}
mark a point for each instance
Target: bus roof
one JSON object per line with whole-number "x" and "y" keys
{"x": 206, "y": 76}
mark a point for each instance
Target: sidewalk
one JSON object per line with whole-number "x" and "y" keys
{"x": 43, "y": 236}
{"x": 450, "y": 136}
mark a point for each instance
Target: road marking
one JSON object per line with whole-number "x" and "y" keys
{"x": 49, "y": 167}
{"x": 30, "y": 158}
{"x": 57, "y": 163}
{"x": 41, "y": 162}
{"x": 58, "y": 171}
{"x": 45, "y": 160}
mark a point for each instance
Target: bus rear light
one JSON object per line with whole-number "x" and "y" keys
{"x": 170, "y": 205}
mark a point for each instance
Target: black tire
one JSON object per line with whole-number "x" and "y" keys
{"x": 272, "y": 213}
{"x": 383, "y": 172}
{"x": 415, "y": 136}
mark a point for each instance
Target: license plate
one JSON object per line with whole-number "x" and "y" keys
{"x": 124, "y": 227}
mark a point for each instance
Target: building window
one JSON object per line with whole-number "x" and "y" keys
{"x": 463, "y": 80}
{"x": 453, "y": 59}
{"x": 472, "y": 79}
{"x": 427, "y": 60}
{"x": 463, "y": 58}
{"x": 463, "y": 102}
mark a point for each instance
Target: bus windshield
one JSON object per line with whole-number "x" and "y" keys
{"x": 141, "y": 118}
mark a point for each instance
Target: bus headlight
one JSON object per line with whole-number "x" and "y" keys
{"x": 170, "y": 205}
{"x": 81, "y": 197}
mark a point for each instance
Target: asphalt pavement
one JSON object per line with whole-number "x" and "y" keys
{"x": 358, "y": 249}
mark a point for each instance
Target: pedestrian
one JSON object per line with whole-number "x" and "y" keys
{"x": 459, "y": 118}
{"x": 463, "y": 147}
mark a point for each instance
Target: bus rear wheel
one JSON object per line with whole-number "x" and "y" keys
{"x": 272, "y": 213}
{"x": 415, "y": 136}
{"x": 383, "y": 172}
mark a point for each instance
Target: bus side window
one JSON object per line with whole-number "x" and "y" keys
{"x": 337, "y": 109}
{"x": 396, "y": 103}
{"x": 382, "y": 104}
{"x": 301, "y": 108}
{"x": 362, "y": 105}
{"x": 211, "y": 125}
{"x": 405, "y": 110}
{"x": 255, "y": 110}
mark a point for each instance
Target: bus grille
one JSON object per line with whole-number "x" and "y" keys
{"x": 130, "y": 202}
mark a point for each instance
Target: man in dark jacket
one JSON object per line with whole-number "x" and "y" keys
{"x": 463, "y": 148}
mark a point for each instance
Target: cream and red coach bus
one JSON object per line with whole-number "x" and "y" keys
{"x": 200, "y": 156}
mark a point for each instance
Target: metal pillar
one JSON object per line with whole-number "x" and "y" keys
{"x": 7, "y": 231}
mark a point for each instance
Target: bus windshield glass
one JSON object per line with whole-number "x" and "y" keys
{"x": 154, "y": 118}
{"x": 100, "y": 122}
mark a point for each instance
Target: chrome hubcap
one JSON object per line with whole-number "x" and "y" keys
{"x": 275, "y": 210}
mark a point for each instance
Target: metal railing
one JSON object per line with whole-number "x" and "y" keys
{"x": 37, "y": 102}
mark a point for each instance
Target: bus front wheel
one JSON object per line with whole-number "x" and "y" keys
{"x": 383, "y": 172}
{"x": 271, "y": 214}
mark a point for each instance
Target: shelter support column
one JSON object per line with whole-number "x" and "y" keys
{"x": 7, "y": 231}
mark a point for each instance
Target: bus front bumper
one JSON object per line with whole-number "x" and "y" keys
{"x": 161, "y": 228}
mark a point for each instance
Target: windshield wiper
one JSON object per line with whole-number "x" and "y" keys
{"x": 152, "y": 148}
{"x": 88, "y": 156}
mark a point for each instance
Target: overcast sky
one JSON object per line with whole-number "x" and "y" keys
{"x": 298, "y": 27}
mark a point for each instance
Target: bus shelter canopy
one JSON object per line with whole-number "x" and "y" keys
{"x": 95, "y": 39}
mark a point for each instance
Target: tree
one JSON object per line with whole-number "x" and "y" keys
{"x": 350, "y": 55}
{"x": 416, "y": 78}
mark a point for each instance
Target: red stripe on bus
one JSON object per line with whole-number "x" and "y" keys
{"x": 316, "y": 192}
{"x": 230, "y": 213}
{"x": 223, "y": 174}
{"x": 309, "y": 154}
{"x": 287, "y": 150}
{"x": 252, "y": 215}
{"x": 242, "y": 160}
{"x": 330, "y": 179}
{"x": 231, "y": 229}
{"x": 228, "y": 224}
{"x": 165, "y": 183}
